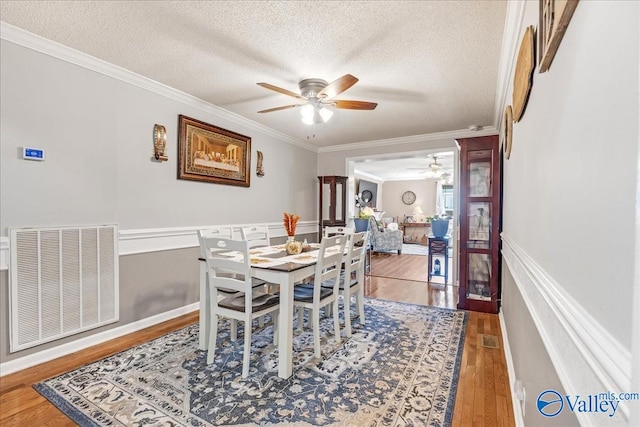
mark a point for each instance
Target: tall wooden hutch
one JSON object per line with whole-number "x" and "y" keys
{"x": 332, "y": 202}
{"x": 480, "y": 222}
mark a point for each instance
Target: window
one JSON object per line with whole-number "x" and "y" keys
{"x": 447, "y": 194}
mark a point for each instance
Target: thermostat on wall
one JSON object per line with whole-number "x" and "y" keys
{"x": 32, "y": 153}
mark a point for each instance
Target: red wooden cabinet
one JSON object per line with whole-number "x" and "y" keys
{"x": 480, "y": 212}
{"x": 332, "y": 203}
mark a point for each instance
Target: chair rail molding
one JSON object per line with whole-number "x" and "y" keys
{"x": 4, "y": 253}
{"x": 585, "y": 355}
{"x": 139, "y": 241}
{"x": 162, "y": 239}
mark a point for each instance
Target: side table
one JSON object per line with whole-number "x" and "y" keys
{"x": 438, "y": 247}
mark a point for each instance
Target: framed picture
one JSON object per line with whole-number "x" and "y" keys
{"x": 212, "y": 154}
{"x": 554, "y": 20}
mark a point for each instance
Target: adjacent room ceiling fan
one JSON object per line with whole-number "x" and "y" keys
{"x": 434, "y": 168}
{"x": 318, "y": 95}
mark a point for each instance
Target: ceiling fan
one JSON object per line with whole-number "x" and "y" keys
{"x": 434, "y": 168}
{"x": 318, "y": 95}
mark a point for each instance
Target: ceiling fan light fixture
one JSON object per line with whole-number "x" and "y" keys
{"x": 326, "y": 114}
{"x": 307, "y": 111}
{"x": 311, "y": 114}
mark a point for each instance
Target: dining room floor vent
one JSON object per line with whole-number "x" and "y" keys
{"x": 62, "y": 281}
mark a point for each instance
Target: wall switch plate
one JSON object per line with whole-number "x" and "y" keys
{"x": 29, "y": 153}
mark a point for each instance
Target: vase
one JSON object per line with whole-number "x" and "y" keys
{"x": 439, "y": 228}
{"x": 361, "y": 224}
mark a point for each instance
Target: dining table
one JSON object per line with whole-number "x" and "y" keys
{"x": 273, "y": 265}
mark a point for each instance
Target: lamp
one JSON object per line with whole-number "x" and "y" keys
{"x": 417, "y": 213}
{"x": 314, "y": 114}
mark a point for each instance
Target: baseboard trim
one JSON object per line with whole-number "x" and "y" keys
{"x": 49, "y": 354}
{"x": 511, "y": 372}
{"x": 586, "y": 357}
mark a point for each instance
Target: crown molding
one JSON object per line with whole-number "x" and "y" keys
{"x": 370, "y": 176}
{"x": 57, "y": 50}
{"x": 454, "y": 134}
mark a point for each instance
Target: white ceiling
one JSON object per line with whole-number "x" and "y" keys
{"x": 405, "y": 167}
{"x": 432, "y": 66}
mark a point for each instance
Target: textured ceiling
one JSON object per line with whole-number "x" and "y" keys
{"x": 432, "y": 66}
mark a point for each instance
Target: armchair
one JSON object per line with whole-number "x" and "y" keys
{"x": 387, "y": 240}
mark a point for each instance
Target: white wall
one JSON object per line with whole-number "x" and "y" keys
{"x": 97, "y": 133}
{"x": 95, "y": 122}
{"x": 425, "y": 190}
{"x": 569, "y": 203}
{"x": 569, "y": 187}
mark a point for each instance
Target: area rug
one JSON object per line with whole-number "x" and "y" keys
{"x": 400, "y": 368}
{"x": 410, "y": 249}
{"x": 413, "y": 249}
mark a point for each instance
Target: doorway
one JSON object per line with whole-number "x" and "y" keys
{"x": 395, "y": 173}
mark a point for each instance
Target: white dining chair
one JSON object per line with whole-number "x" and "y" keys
{"x": 245, "y": 304}
{"x": 313, "y": 296}
{"x": 352, "y": 277}
{"x": 332, "y": 231}
{"x": 223, "y": 232}
{"x": 256, "y": 235}
{"x": 227, "y": 233}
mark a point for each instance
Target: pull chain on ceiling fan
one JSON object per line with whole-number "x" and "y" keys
{"x": 319, "y": 95}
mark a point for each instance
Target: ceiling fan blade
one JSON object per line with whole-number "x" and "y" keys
{"x": 354, "y": 105}
{"x": 338, "y": 86}
{"x": 280, "y": 90}
{"x": 286, "y": 107}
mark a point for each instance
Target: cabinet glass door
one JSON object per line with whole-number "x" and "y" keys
{"x": 340, "y": 210}
{"x": 479, "y": 225}
{"x": 479, "y": 277}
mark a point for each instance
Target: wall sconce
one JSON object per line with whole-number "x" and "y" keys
{"x": 160, "y": 143}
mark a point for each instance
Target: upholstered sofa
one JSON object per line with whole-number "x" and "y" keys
{"x": 383, "y": 239}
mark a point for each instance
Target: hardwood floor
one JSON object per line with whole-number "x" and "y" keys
{"x": 482, "y": 399}
{"x": 484, "y": 396}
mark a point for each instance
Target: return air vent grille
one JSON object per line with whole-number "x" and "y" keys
{"x": 63, "y": 281}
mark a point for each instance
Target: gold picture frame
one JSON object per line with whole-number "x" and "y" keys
{"x": 555, "y": 16}
{"x": 211, "y": 154}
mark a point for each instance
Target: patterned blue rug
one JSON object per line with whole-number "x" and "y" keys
{"x": 400, "y": 368}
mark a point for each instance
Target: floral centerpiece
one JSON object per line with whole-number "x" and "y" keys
{"x": 290, "y": 221}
